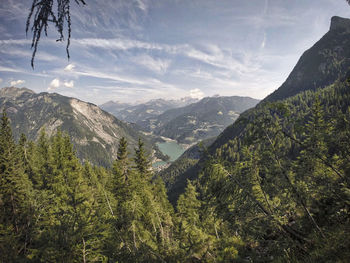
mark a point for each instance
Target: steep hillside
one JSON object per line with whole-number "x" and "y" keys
{"x": 94, "y": 132}
{"x": 322, "y": 64}
{"x": 201, "y": 120}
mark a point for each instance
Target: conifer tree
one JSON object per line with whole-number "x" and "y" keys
{"x": 193, "y": 240}
{"x": 16, "y": 200}
{"x": 70, "y": 224}
{"x": 141, "y": 160}
{"x": 121, "y": 164}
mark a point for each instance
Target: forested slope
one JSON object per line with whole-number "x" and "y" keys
{"x": 284, "y": 184}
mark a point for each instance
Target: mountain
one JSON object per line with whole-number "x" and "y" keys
{"x": 186, "y": 120}
{"x": 94, "y": 132}
{"x": 140, "y": 112}
{"x": 113, "y": 107}
{"x": 323, "y": 65}
{"x": 200, "y": 120}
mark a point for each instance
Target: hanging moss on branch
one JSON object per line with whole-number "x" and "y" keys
{"x": 42, "y": 14}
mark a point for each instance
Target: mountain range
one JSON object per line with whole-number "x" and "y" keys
{"x": 201, "y": 120}
{"x": 142, "y": 111}
{"x": 187, "y": 121}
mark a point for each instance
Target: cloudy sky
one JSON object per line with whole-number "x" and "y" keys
{"x": 135, "y": 50}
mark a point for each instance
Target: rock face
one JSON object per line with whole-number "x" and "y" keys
{"x": 94, "y": 132}
{"x": 339, "y": 23}
{"x": 325, "y": 62}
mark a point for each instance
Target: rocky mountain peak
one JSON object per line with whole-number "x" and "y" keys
{"x": 340, "y": 23}
{"x": 10, "y": 92}
{"x": 326, "y": 61}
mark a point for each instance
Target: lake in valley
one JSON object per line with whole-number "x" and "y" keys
{"x": 171, "y": 148}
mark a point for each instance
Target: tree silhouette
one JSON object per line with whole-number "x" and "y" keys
{"x": 42, "y": 13}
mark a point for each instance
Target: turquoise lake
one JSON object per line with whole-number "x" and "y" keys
{"x": 173, "y": 149}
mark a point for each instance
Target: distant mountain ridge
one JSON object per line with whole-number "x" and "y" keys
{"x": 94, "y": 132}
{"x": 200, "y": 120}
{"x": 140, "y": 112}
{"x": 186, "y": 120}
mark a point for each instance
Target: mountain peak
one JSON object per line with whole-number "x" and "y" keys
{"x": 340, "y": 23}
{"x": 14, "y": 92}
{"x": 326, "y": 61}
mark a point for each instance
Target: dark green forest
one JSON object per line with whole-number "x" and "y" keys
{"x": 277, "y": 192}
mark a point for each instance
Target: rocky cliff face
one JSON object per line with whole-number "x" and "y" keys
{"x": 94, "y": 132}
{"x": 339, "y": 23}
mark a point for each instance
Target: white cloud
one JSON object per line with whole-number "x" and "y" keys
{"x": 55, "y": 83}
{"x": 17, "y": 82}
{"x": 69, "y": 84}
{"x": 126, "y": 44}
{"x": 152, "y": 83}
{"x": 196, "y": 94}
{"x": 15, "y": 42}
{"x": 1, "y": 80}
{"x": 156, "y": 65}
{"x": 69, "y": 67}
{"x": 142, "y": 5}
{"x": 263, "y": 44}
{"x": 7, "y": 69}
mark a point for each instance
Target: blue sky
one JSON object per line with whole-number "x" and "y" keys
{"x": 136, "y": 50}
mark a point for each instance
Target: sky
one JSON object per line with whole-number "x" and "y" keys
{"x": 137, "y": 50}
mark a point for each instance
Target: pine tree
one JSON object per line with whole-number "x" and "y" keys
{"x": 70, "y": 223}
{"x": 16, "y": 200}
{"x": 194, "y": 242}
{"x": 141, "y": 160}
{"x": 121, "y": 165}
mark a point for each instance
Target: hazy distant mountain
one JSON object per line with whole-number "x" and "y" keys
{"x": 114, "y": 107}
{"x": 200, "y": 120}
{"x": 94, "y": 132}
{"x": 141, "y": 112}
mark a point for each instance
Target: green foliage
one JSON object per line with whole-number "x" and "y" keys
{"x": 16, "y": 199}
{"x": 282, "y": 183}
{"x": 143, "y": 165}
